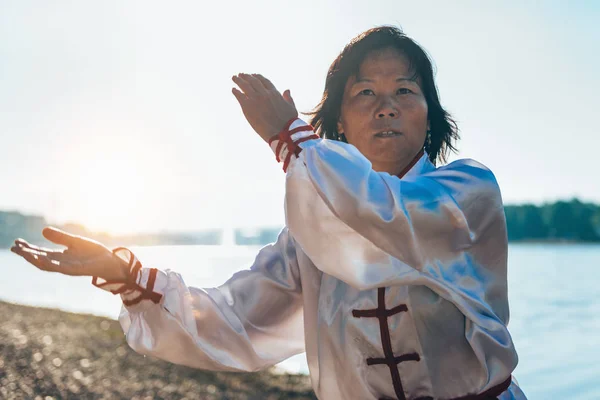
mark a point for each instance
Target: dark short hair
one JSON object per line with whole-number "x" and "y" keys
{"x": 326, "y": 114}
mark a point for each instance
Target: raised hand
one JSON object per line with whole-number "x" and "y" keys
{"x": 264, "y": 107}
{"x": 82, "y": 257}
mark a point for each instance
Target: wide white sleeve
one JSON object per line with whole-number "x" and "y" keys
{"x": 253, "y": 321}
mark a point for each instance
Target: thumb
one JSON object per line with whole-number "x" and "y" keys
{"x": 58, "y": 236}
{"x": 288, "y": 97}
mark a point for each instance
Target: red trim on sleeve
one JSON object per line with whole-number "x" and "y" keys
{"x": 131, "y": 282}
{"x": 278, "y": 150}
{"x": 304, "y": 139}
{"x": 301, "y": 129}
{"x": 284, "y": 138}
{"x": 286, "y": 127}
{"x": 148, "y": 292}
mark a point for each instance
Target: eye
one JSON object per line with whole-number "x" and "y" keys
{"x": 366, "y": 92}
{"x": 404, "y": 91}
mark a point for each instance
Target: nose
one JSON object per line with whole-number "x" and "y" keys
{"x": 387, "y": 109}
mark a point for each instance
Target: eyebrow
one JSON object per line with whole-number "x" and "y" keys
{"x": 361, "y": 80}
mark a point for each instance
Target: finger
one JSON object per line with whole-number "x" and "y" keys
{"x": 24, "y": 243}
{"x": 51, "y": 262}
{"x": 29, "y": 250}
{"x": 241, "y": 97}
{"x": 265, "y": 82}
{"x": 54, "y": 254}
{"x": 287, "y": 95}
{"x": 24, "y": 249}
{"x": 256, "y": 84}
{"x": 58, "y": 255}
{"x": 244, "y": 85}
{"x": 31, "y": 256}
{"x": 59, "y": 236}
{"x": 32, "y": 259}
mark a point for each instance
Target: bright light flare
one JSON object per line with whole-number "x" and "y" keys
{"x": 112, "y": 188}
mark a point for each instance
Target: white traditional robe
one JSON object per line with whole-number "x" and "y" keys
{"x": 395, "y": 288}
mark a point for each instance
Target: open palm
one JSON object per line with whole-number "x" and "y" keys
{"x": 82, "y": 257}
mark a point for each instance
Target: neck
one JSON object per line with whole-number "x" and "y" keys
{"x": 399, "y": 169}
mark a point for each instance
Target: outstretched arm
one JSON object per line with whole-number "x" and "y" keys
{"x": 252, "y": 321}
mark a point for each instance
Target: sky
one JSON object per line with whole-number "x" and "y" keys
{"x": 119, "y": 115}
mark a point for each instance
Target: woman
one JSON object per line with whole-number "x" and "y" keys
{"x": 390, "y": 273}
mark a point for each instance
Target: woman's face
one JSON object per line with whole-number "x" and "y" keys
{"x": 384, "y": 112}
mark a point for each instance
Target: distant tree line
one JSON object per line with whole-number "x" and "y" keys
{"x": 564, "y": 221}
{"x": 16, "y": 225}
{"x": 572, "y": 221}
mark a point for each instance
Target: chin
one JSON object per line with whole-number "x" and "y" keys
{"x": 389, "y": 155}
{"x": 391, "y": 158}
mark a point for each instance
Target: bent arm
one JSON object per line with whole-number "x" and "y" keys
{"x": 444, "y": 227}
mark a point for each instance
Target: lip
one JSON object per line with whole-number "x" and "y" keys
{"x": 395, "y": 133}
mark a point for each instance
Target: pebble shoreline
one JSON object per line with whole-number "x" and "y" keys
{"x": 51, "y": 354}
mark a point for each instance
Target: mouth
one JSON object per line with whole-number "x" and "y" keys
{"x": 388, "y": 133}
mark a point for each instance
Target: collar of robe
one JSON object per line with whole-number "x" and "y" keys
{"x": 419, "y": 164}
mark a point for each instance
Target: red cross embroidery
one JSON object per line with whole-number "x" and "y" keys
{"x": 382, "y": 314}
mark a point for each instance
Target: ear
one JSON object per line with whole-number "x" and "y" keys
{"x": 340, "y": 128}
{"x": 428, "y": 125}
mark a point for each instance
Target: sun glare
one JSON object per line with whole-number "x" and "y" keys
{"x": 108, "y": 192}
{"x": 111, "y": 188}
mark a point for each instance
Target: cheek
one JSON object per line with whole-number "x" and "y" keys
{"x": 354, "y": 111}
{"x": 417, "y": 111}
{"x": 352, "y": 120}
